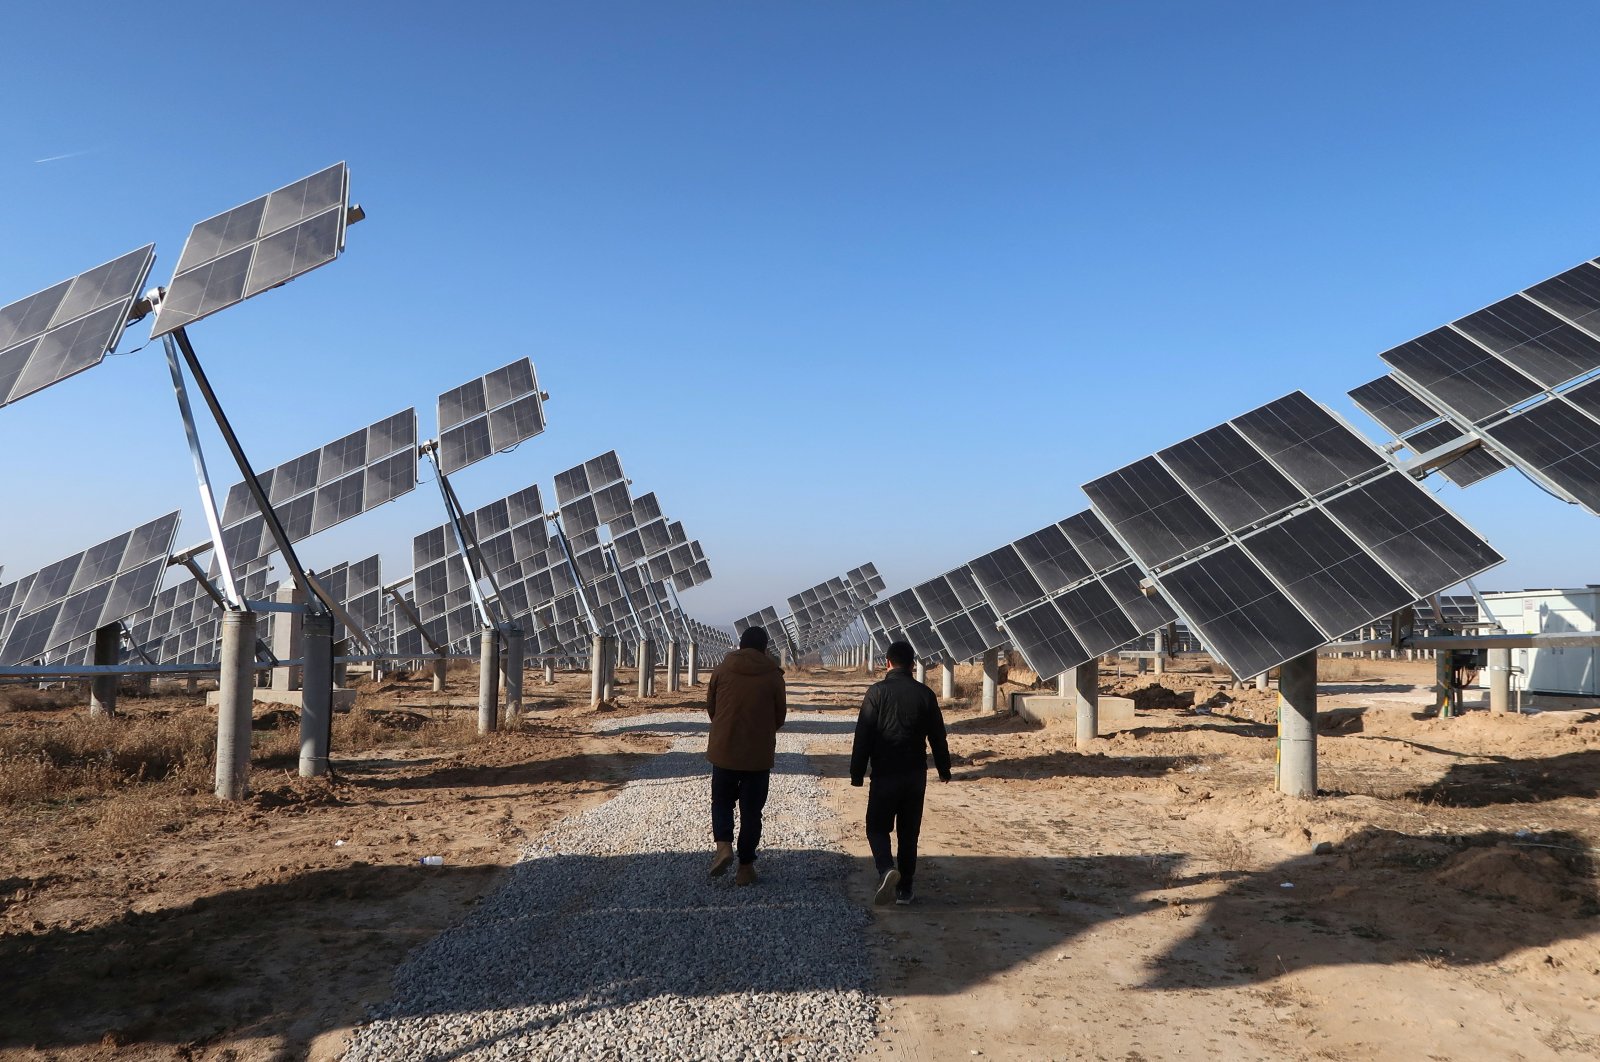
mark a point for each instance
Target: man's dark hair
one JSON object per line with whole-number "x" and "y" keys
{"x": 901, "y": 654}
{"x": 754, "y": 638}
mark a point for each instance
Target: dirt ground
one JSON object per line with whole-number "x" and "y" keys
{"x": 1147, "y": 898}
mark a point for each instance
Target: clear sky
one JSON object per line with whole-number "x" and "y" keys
{"x": 840, "y": 281}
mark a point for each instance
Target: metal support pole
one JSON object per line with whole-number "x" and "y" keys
{"x": 608, "y": 688}
{"x": 513, "y": 673}
{"x": 947, "y": 681}
{"x": 440, "y": 666}
{"x": 1499, "y": 681}
{"x": 921, "y": 671}
{"x": 234, "y": 703}
{"x": 488, "y": 681}
{"x": 1086, "y": 685}
{"x": 1064, "y": 684}
{"x": 597, "y": 669}
{"x": 1161, "y": 651}
{"x": 103, "y": 688}
{"x": 316, "y": 695}
{"x": 646, "y": 645}
{"x": 991, "y": 679}
{"x": 672, "y": 665}
{"x": 694, "y": 663}
{"x": 650, "y": 669}
{"x": 549, "y": 671}
{"x": 1297, "y": 726}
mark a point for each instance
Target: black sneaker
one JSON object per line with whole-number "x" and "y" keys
{"x": 903, "y": 897}
{"x": 887, "y": 887}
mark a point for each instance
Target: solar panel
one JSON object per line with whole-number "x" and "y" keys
{"x": 73, "y": 597}
{"x": 1536, "y": 341}
{"x": 1093, "y": 540}
{"x": 1335, "y": 582}
{"x": 1559, "y": 441}
{"x": 1041, "y": 634}
{"x": 1147, "y": 506}
{"x": 1387, "y": 401}
{"x": 1232, "y": 479}
{"x": 324, "y": 487}
{"x": 1051, "y": 558}
{"x": 1096, "y": 621}
{"x": 1307, "y": 443}
{"x": 1461, "y": 374}
{"x": 70, "y": 326}
{"x": 264, "y": 243}
{"x": 1412, "y": 534}
{"x": 1241, "y": 614}
{"x": 489, "y": 415}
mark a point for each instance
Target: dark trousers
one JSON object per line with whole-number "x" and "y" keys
{"x": 748, "y": 789}
{"x": 895, "y": 803}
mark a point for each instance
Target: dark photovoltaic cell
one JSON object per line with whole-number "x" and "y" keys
{"x": 1415, "y": 537}
{"x": 1327, "y": 573}
{"x": 1238, "y": 612}
{"x": 1534, "y": 340}
{"x": 1474, "y": 465}
{"x": 937, "y": 598}
{"x": 489, "y": 415}
{"x": 70, "y": 326}
{"x": 1230, "y": 477}
{"x": 1574, "y": 295}
{"x": 965, "y": 586}
{"x": 1051, "y": 558}
{"x": 1558, "y": 440}
{"x": 1307, "y": 443}
{"x": 960, "y": 636}
{"x": 906, "y": 609}
{"x": 1152, "y": 512}
{"x": 1093, "y": 540}
{"x": 1041, "y": 634}
{"x": 1005, "y": 580}
{"x": 1145, "y": 611}
{"x": 257, "y": 246}
{"x": 1462, "y": 374}
{"x": 1099, "y": 625}
{"x": 1387, "y": 401}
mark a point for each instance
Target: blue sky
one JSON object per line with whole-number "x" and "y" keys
{"x": 840, "y": 281}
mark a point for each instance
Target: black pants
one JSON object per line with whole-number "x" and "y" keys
{"x": 748, "y": 789}
{"x": 895, "y": 802}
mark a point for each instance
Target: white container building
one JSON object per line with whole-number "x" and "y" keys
{"x": 1569, "y": 672}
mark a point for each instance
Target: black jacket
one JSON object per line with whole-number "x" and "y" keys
{"x": 899, "y": 719}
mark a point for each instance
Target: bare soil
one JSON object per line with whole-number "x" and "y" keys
{"x": 1147, "y": 898}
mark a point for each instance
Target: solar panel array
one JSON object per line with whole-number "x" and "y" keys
{"x": 251, "y": 248}
{"x": 70, "y": 326}
{"x": 513, "y": 543}
{"x": 1281, "y": 530}
{"x": 819, "y": 615}
{"x": 358, "y": 588}
{"x": 75, "y": 596}
{"x": 324, "y": 487}
{"x": 489, "y": 415}
{"x": 183, "y": 625}
{"x": 1519, "y": 376}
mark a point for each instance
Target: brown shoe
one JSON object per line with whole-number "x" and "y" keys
{"x": 722, "y": 860}
{"x": 746, "y": 874}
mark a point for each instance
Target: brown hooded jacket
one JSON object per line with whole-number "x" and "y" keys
{"x": 745, "y": 701}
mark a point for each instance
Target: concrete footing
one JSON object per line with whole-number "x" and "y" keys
{"x": 316, "y": 696}
{"x": 1297, "y": 727}
{"x": 488, "y": 682}
{"x": 991, "y": 680}
{"x": 103, "y": 688}
{"x": 234, "y": 716}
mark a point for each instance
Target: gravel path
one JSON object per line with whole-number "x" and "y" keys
{"x": 610, "y": 942}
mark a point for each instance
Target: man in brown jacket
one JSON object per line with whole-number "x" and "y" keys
{"x": 745, "y": 700}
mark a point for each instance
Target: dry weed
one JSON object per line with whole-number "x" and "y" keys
{"x": 1341, "y": 669}
{"x": 81, "y": 756}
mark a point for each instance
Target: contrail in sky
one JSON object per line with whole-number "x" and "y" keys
{"x": 58, "y": 158}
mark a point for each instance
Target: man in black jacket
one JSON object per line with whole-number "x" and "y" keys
{"x": 899, "y": 719}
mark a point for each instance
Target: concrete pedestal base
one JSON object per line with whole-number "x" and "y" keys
{"x": 1051, "y": 709}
